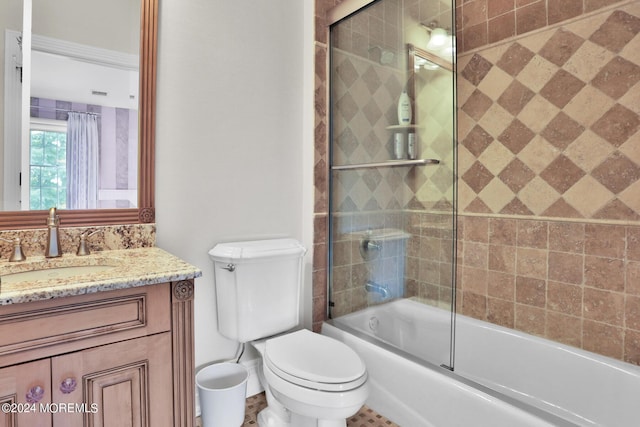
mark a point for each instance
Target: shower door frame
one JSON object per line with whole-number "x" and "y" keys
{"x": 333, "y": 16}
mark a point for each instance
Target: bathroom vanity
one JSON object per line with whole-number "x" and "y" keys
{"x": 104, "y": 346}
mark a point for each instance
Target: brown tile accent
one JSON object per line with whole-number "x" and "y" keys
{"x": 502, "y": 27}
{"x": 562, "y": 10}
{"x": 604, "y": 273}
{"x": 475, "y": 36}
{"x": 501, "y": 312}
{"x": 564, "y": 329}
{"x": 477, "y": 177}
{"x": 477, "y": 140}
{"x": 561, "y": 89}
{"x": 516, "y": 207}
{"x": 531, "y": 291}
{"x": 476, "y": 70}
{"x": 617, "y": 172}
{"x": 561, "y": 46}
{"x": 503, "y": 232}
{"x": 564, "y": 298}
{"x": 561, "y": 209}
{"x": 515, "y": 59}
{"x": 516, "y": 175}
{"x": 499, "y": 7}
{"x": 566, "y": 237}
{"x": 633, "y": 243}
{"x": 616, "y": 209}
{"x": 474, "y": 12}
{"x": 602, "y": 339}
{"x": 617, "y": 77}
{"x": 603, "y": 306}
{"x": 502, "y": 258}
{"x": 605, "y": 240}
{"x": 516, "y": 136}
{"x": 566, "y": 268}
{"x": 617, "y": 125}
{"x": 617, "y": 31}
{"x": 477, "y": 229}
{"x": 562, "y": 174}
{"x": 562, "y": 131}
{"x": 632, "y": 347}
{"x": 632, "y": 312}
{"x": 531, "y": 263}
{"x": 532, "y": 234}
{"x": 501, "y": 285}
{"x": 477, "y": 104}
{"x": 531, "y": 17}
{"x": 515, "y": 97}
{"x": 474, "y": 305}
{"x": 531, "y": 320}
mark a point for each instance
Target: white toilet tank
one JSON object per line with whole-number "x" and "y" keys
{"x": 257, "y": 287}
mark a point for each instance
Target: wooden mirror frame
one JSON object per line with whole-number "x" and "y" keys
{"x": 145, "y": 212}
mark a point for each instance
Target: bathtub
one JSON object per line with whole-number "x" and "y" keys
{"x": 502, "y": 377}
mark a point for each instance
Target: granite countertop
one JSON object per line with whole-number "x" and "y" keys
{"x": 128, "y": 268}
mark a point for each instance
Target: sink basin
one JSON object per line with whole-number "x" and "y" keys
{"x": 53, "y": 273}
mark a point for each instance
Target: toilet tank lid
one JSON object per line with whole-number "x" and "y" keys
{"x": 256, "y": 249}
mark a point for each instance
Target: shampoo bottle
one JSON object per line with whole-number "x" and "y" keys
{"x": 404, "y": 109}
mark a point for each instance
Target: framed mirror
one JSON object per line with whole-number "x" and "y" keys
{"x": 143, "y": 210}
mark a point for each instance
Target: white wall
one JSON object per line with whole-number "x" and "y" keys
{"x": 234, "y": 136}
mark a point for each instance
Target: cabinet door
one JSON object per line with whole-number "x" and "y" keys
{"x": 25, "y": 392}
{"x": 126, "y": 384}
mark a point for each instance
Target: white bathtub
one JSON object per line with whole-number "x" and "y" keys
{"x": 502, "y": 378}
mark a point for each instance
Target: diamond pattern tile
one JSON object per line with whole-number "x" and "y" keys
{"x": 562, "y": 131}
{"x": 617, "y": 125}
{"x": 553, "y": 121}
{"x": 617, "y": 77}
{"x": 561, "y": 89}
{"x": 561, "y": 46}
{"x": 366, "y": 96}
{"x": 516, "y": 136}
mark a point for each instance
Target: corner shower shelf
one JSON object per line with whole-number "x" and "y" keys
{"x": 387, "y": 164}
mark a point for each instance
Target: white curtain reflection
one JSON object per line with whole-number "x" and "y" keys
{"x": 82, "y": 161}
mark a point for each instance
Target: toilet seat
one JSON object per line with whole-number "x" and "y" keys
{"x": 314, "y": 361}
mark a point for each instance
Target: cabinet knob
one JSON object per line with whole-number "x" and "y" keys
{"x": 35, "y": 394}
{"x": 68, "y": 385}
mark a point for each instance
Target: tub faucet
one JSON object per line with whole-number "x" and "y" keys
{"x": 377, "y": 288}
{"x": 53, "y": 249}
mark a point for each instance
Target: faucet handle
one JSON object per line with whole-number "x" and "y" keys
{"x": 18, "y": 253}
{"x": 53, "y": 220}
{"x": 83, "y": 249}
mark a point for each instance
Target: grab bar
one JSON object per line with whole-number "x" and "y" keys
{"x": 387, "y": 164}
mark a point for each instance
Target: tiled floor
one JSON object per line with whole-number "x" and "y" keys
{"x": 364, "y": 418}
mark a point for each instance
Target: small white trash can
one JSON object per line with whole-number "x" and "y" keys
{"x": 222, "y": 388}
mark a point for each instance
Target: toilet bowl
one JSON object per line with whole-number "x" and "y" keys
{"x": 310, "y": 380}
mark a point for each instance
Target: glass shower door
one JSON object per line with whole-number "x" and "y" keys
{"x": 393, "y": 163}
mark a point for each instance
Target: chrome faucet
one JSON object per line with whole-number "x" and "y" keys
{"x": 53, "y": 249}
{"x": 377, "y": 288}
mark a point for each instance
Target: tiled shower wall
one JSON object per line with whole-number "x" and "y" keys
{"x": 549, "y": 182}
{"x": 513, "y": 268}
{"x": 406, "y": 210}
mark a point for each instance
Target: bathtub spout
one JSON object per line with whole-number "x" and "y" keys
{"x": 382, "y": 290}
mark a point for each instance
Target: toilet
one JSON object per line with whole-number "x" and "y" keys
{"x": 309, "y": 379}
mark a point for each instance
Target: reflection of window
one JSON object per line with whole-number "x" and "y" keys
{"x": 47, "y": 164}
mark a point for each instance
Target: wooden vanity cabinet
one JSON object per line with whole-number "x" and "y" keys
{"x": 118, "y": 358}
